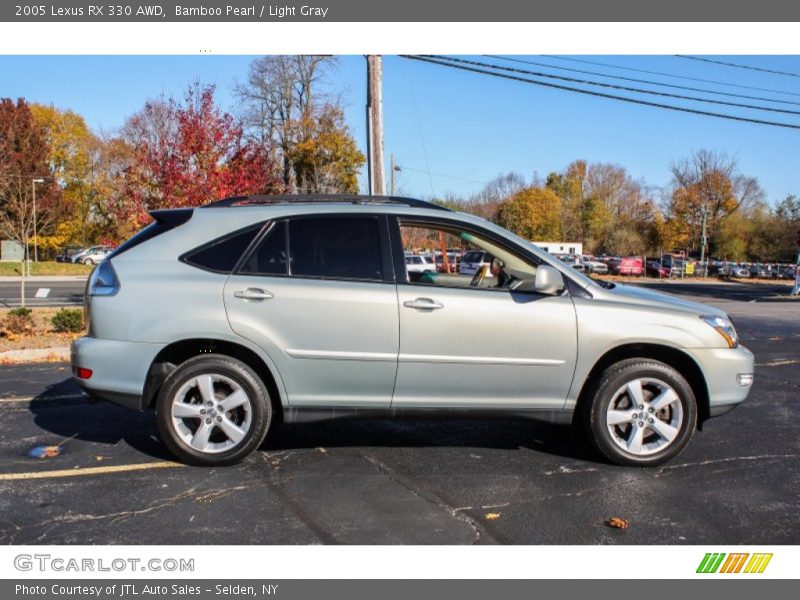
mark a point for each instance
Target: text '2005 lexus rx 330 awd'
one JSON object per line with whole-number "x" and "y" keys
{"x": 228, "y": 317}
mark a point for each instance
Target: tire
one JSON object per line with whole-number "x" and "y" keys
{"x": 88, "y": 261}
{"x": 193, "y": 420}
{"x": 615, "y": 426}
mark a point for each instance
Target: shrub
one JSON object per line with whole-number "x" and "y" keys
{"x": 18, "y": 321}
{"x": 68, "y": 319}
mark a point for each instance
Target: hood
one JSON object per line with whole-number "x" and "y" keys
{"x": 645, "y": 297}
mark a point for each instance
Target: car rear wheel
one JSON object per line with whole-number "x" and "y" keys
{"x": 213, "y": 410}
{"x": 643, "y": 413}
{"x": 88, "y": 261}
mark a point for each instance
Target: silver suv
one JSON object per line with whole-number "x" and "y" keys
{"x": 228, "y": 317}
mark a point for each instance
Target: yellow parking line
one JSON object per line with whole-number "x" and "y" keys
{"x": 89, "y": 471}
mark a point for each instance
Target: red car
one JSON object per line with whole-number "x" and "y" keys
{"x": 629, "y": 266}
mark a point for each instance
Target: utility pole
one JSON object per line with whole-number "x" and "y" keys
{"x": 375, "y": 167}
{"x": 703, "y": 240}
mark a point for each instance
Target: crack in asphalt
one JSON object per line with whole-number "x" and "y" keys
{"x": 117, "y": 517}
{"x": 715, "y": 461}
{"x": 434, "y": 499}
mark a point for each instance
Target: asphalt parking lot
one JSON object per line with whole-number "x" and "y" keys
{"x": 411, "y": 481}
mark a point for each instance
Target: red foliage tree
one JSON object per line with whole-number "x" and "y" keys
{"x": 190, "y": 154}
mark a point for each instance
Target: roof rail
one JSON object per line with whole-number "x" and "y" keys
{"x": 320, "y": 198}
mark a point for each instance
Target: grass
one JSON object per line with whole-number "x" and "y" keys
{"x": 45, "y": 268}
{"x": 42, "y": 336}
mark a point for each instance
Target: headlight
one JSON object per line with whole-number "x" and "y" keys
{"x": 724, "y": 327}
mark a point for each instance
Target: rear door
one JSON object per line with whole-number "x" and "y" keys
{"x": 317, "y": 294}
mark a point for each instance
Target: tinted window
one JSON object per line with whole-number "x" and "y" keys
{"x": 270, "y": 256}
{"x": 223, "y": 254}
{"x": 347, "y": 248}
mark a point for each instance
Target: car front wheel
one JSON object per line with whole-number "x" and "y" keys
{"x": 643, "y": 413}
{"x": 213, "y": 410}
{"x": 88, "y": 261}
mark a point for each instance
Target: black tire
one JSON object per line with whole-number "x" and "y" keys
{"x": 88, "y": 261}
{"x": 223, "y": 371}
{"x": 680, "y": 415}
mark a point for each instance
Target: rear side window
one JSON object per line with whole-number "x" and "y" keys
{"x": 222, "y": 254}
{"x": 336, "y": 247}
{"x": 269, "y": 258}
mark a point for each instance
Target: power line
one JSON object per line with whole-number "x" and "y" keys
{"x": 672, "y": 75}
{"x": 404, "y": 168}
{"x": 601, "y": 94}
{"x": 617, "y": 87}
{"x": 646, "y": 81}
{"x": 738, "y": 66}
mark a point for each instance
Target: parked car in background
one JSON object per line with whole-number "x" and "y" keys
{"x": 626, "y": 266}
{"x": 417, "y": 263}
{"x": 654, "y": 268}
{"x": 92, "y": 256}
{"x": 574, "y": 261}
{"x": 67, "y": 253}
{"x": 760, "y": 271}
{"x": 734, "y": 270}
{"x": 474, "y": 260}
{"x": 787, "y": 272}
{"x": 453, "y": 260}
{"x": 592, "y": 265}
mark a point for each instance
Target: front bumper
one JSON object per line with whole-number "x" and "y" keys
{"x": 722, "y": 368}
{"x": 119, "y": 369}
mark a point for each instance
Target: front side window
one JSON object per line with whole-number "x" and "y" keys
{"x": 336, "y": 248}
{"x": 472, "y": 261}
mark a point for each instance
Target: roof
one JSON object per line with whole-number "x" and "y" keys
{"x": 260, "y": 200}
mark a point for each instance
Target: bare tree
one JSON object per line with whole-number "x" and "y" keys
{"x": 279, "y": 98}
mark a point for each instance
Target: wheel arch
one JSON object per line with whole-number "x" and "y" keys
{"x": 178, "y": 352}
{"x": 675, "y": 358}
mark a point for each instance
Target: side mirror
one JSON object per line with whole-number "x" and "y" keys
{"x": 549, "y": 280}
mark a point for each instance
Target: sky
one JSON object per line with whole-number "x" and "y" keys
{"x": 453, "y": 131}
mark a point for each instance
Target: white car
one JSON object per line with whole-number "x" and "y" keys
{"x": 473, "y": 260}
{"x": 416, "y": 263}
{"x": 92, "y": 256}
{"x": 594, "y": 266}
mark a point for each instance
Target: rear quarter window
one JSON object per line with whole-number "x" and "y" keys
{"x": 222, "y": 254}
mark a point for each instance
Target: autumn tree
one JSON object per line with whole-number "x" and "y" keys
{"x": 187, "y": 154}
{"x": 23, "y": 158}
{"x": 709, "y": 183}
{"x": 533, "y": 213}
{"x": 327, "y": 159}
{"x": 71, "y": 155}
{"x": 303, "y": 128}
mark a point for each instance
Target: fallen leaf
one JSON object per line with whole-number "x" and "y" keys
{"x": 617, "y": 523}
{"x": 492, "y": 516}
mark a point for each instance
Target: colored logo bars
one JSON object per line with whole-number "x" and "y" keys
{"x": 718, "y": 563}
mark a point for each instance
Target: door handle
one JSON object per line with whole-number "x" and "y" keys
{"x": 253, "y": 294}
{"x": 423, "y": 304}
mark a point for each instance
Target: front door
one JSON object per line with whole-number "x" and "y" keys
{"x": 472, "y": 341}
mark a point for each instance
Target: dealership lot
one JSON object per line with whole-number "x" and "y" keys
{"x": 411, "y": 481}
